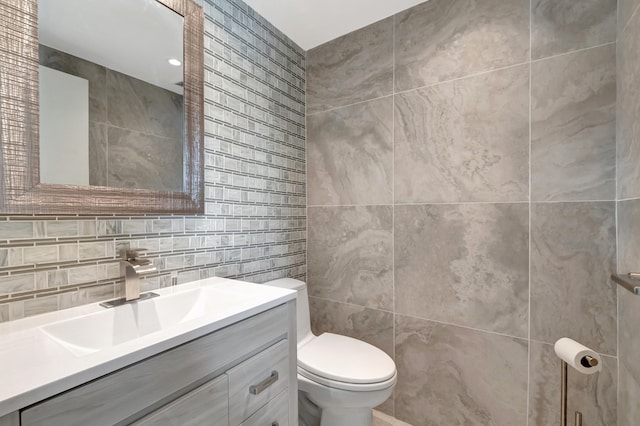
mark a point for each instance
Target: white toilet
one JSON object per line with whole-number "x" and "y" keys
{"x": 340, "y": 379}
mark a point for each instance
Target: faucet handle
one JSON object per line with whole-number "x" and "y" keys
{"x": 132, "y": 254}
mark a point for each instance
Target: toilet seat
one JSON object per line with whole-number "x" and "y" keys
{"x": 345, "y": 363}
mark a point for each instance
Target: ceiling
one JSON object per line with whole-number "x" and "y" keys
{"x": 311, "y": 23}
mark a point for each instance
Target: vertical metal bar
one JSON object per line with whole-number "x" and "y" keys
{"x": 578, "y": 418}
{"x": 563, "y": 395}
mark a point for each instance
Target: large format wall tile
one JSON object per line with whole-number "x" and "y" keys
{"x": 464, "y": 264}
{"x": 573, "y": 252}
{"x": 560, "y": 26}
{"x": 138, "y": 105}
{"x": 593, "y": 395}
{"x": 466, "y": 140}
{"x": 573, "y": 135}
{"x": 353, "y": 68}
{"x": 449, "y": 375}
{"x": 628, "y": 128}
{"x": 350, "y": 255}
{"x": 629, "y": 312}
{"x": 441, "y": 40}
{"x": 138, "y": 160}
{"x": 629, "y": 394}
{"x": 370, "y": 325}
{"x": 626, "y": 9}
{"x": 350, "y": 154}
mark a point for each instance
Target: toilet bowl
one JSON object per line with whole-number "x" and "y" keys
{"x": 340, "y": 379}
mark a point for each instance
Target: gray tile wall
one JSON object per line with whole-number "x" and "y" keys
{"x": 255, "y": 222}
{"x": 135, "y": 128}
{"x": 461, "y": 203}
{"x": 628, "y": 178}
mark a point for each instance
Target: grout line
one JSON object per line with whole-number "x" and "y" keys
{"x": 463, "y": 77}
{"x": 463, "y": 203}
{"x": 631, "y": 18}
{"x": 529, "y": 205}
{"x": 349, "y": 105}
{"x": 572, "y": 52}
{"x": 393, "y": 198}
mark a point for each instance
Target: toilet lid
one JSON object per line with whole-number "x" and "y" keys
{"x": 345, "y": 359}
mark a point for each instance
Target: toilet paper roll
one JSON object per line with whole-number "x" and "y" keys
{"x": 577, "y": 356}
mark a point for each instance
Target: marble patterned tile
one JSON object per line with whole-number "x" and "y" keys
{"x": 17, "y": 283}
{"x": 94, "y": 73}
{"x": 350, "y": 255}
{"x": 137, "y": 105}
{"x": 593, "y": 395}
{"x": 450, "y": 375}
{"x": 350, "y": 154}
{"x": 626, "y": 10}
{"x": 97, "y": 154}
{"x": 139, "y": 160}
{"x": 463, "y": 264}
{"x": 353, "y": 68}
{"x": 628, "y": 111}
{"x": 628, "y": 313}
{"x": 573, "y": 252}
{"x": 561, "y": 26}
{"x": 629, "y": 395}
{"x": 573, "y": 128}
{"x": 466, "y": 140}
{"x": 370, "y": 325}
{"x": 382, "y": 419}
{"x": 441, "y": 40}
{"x": 628, "y": 215}
{"x": 16, "y": 230}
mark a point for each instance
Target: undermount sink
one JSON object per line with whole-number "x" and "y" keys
{"x": 101, "y": 330}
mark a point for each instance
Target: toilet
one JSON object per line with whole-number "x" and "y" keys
{"x": 340, "y": 379}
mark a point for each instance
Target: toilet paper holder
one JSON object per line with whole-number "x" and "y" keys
{"x": 587, "y": 361}
{"x": 582, "y": 359}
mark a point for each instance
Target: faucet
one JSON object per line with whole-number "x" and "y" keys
{"x": 130, "y": 268}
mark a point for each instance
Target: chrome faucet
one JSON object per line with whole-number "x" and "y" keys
{"x": 131, "y": 267}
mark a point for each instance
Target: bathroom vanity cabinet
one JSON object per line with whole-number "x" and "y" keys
{"x": 243, "y": 374}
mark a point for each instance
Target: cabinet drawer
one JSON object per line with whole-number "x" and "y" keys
{"x": 207, "y": 405}
{"x": 275, "y": 413}
{"x": 121, "y": 395}
{"x": 253, "y": 383}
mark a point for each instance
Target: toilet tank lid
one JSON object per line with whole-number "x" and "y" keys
{"x": 345, "y": 359}
{"x": 290, "y": 283}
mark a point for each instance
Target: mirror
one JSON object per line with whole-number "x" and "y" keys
{"x": 117, "y": 122}
{"x": 111, "y": 102}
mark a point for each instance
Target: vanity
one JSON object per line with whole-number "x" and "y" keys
{"x": 210, "y": 352}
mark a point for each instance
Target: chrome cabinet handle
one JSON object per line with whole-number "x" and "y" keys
{"x": 275, "y": 424}
{"x": 260, "y": 387}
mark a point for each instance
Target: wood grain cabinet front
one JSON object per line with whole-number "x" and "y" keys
{"x": 207, "y": 381}
{"x": 207, "y": 405}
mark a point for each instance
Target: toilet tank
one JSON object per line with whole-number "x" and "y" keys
{"x": 302, "y": 305}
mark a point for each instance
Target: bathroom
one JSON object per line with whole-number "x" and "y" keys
{"x": 455, "y": 181}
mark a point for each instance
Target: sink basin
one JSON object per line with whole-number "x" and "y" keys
{"x": 94, "y": 332}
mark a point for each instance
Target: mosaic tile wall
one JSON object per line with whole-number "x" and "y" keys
{"x": 254, "y": 225}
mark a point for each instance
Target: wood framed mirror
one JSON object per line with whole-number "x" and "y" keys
{"x": 21, "y": 189}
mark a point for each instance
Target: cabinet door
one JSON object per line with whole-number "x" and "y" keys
{"x": 257, "y": 380}
{"x": 275, "y": 413}
{"x": 207, "y": 405}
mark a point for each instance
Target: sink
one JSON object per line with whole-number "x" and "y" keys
{"x": 101, "y": 330}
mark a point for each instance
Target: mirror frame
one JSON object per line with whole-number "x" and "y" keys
{"x": 21, "y": 191}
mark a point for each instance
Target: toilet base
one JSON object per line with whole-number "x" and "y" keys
{"x": 347, "y": 417}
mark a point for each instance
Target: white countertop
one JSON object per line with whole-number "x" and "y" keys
{"x": 33, "y": 366}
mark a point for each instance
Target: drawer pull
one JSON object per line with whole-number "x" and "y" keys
{"x": 275, "y": 424}
{"x": 260, "y": 387}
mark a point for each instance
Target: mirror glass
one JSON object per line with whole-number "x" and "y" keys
{"x": 111, "y": 94}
